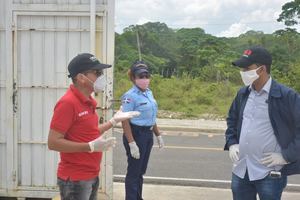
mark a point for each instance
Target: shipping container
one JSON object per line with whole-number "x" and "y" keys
{"x": 38, "y": 38}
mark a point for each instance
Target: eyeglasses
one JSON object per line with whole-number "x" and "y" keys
{"x": 97, "y": 72}
{"x": 141, "y": 76}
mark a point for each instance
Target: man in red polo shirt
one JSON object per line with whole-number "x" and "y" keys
{"x": 74, "y": 130}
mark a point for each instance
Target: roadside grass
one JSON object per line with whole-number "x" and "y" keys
{"x": 185, "y": 97}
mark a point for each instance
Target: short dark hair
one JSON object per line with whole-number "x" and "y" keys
{"x": 268, "y": 67}
{"x": 74, "y": 80}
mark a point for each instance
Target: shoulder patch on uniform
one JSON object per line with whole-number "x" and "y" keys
{"x": 126, "y": 100}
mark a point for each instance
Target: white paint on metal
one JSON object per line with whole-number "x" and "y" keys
{"x": 8, "y": 125}
{"x": 3, "y": 153}
{"x": 48, "y": 7}
{"x": 92, "y": 26}
{"x": 107, "y": 50}
{"x": 37, "y": 41}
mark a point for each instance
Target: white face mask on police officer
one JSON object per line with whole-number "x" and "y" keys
{"x": 99, "y": 84}
{"x": 250, "y": 76}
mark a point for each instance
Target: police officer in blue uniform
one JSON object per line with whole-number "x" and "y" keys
{"x": 138, "y": 132}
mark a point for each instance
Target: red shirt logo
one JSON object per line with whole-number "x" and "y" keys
{"x": 83, "y": 113}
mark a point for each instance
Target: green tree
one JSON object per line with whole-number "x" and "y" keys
{"x": 290, "y": 14}
{"x": 192, "y": 70}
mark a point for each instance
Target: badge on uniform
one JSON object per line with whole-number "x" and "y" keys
{"x": 126, "y": 100}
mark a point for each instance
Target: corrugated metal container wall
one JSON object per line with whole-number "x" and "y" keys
{"x": 45, "y": 35}
{"x": 3, "y": 152}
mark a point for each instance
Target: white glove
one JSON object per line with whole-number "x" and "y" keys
{"x": 234, "y": 152}
{"x": 273, "y": 159}
{"x": 160, "y": 142}
{"x": 101, "y": 144}
{"x": 134, "y": 150}
{"x": 121, "y": 116}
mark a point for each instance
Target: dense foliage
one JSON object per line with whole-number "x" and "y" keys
{"x": 290, "y": 14}
{"x": 192, "y": 70}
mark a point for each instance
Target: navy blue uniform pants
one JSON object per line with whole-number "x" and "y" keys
{"x": 143, "y": 137}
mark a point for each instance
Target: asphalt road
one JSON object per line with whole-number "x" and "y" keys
{"x": 188, "y": 158}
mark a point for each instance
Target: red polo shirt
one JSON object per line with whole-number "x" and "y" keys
{"x": 75, "y": 117}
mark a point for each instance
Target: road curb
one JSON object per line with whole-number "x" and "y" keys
{"x": 191, "y": 129}
{"x": 186, "y": 129}
{"x": 225, "y": 184}
{"x": 180, "y": 182}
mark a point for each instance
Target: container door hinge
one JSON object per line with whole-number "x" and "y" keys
{"x": 14, "y": 97}
{"x": 14, "y": 176}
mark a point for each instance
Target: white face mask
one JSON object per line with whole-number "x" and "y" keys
{"x": 250, "y": 76}
{"x": 99, "y": 84}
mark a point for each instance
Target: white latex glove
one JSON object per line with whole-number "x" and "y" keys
{"x": 234, "y": 152}
{"x": 101, "y": 144}
{"x": 134, "y": 150}
{"x": 273, "y": 159}
{"x": 160, "y": 142}
{"x": 121, "y": 116}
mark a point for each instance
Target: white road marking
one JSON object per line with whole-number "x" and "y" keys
{"x": 192, "y": 180}
{"x": 191, "y": 148}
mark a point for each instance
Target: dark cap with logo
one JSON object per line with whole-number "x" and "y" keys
{"x": 83, "y": 62}
{"x": 139, "y": 67}
{"x": 254, "y": 55}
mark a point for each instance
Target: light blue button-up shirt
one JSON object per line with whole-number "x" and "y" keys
{"x": 257, "y": 136}
{"x": 144, "y": 102}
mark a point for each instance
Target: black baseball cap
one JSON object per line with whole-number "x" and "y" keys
{"x": 254, "y": 55}
{"x": 139, "y": 67}
{"x": 83, "y": 62}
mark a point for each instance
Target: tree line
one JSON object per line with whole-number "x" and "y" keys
{"x": 197, "y": 54}
{"x": 190, "y": 54}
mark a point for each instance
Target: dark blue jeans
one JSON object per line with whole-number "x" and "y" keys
{"x": 267, "y": 189}
{"x": 136, "y": 168}
{"x": 78, "y": 190}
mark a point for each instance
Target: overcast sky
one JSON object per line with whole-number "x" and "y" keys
{"x": 228, "y": 18}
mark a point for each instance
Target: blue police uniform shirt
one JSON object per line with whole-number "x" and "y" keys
{"x": 144, "y": 102}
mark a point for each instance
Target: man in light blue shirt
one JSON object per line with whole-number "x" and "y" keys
{"x": 262, "y": 131}
{"x": 257, "y": 136}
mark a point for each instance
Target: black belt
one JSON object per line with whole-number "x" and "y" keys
{"x": 142, "y": 127}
